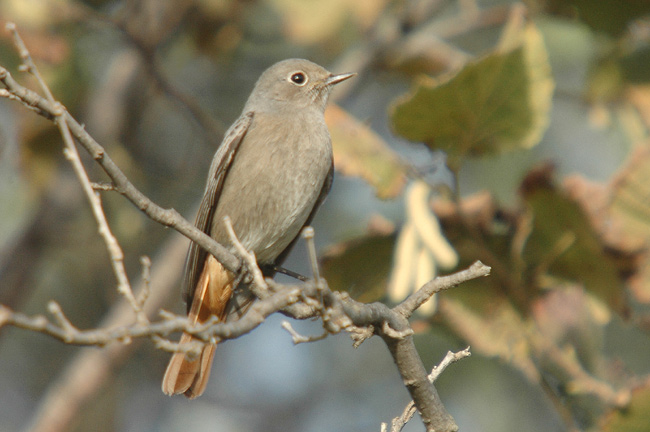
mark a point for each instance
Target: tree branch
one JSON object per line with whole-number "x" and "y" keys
{"x": 398, "y": 423}
{"x": 441, "y": 283}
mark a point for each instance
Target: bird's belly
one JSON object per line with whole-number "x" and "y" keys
{"x": 269, "y": 203}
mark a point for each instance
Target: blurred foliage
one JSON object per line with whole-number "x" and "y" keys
{"x": 550, "y": 104}
{"x": 633, "y": 419}
{"x": 561, "y": 242}
{"x": 612, "y": 17}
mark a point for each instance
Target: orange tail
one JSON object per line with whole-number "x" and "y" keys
{"x": 211, "y": 296}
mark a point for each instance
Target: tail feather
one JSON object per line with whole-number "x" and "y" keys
{"x": 190, "y": 376}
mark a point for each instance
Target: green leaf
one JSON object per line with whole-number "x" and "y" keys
{"x": 498, "y": 103}
{"x": 360, "y": 266}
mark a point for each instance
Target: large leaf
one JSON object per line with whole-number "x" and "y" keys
{"x": 360, "y": 152}
{"x": 500, "y": 102}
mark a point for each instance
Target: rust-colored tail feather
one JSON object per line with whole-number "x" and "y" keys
{"x": 211, "y": 296}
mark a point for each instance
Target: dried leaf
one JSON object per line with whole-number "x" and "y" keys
{"x": 563, "y": 242}
{"x": 360, "y": 152}
{"x": 630, "y": 208}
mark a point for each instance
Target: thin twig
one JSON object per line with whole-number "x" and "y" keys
{"x": 27, "y": 62}
{"x": 112, "y": 245}
{"x": 298, "y": 338}
{"x": 70, "y": 152}
{"x": 398, "y": 423}
{"x": 441, "y": 283}
{"x": 166, "y": 217}
{"x": 262, "y": 288}
{"x": 64, "y": 323}
{"x": 105, "y": 187}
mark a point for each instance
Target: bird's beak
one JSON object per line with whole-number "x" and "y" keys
{"x": 335, "y": 79}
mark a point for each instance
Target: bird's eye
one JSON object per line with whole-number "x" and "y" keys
{"x": 298, "y": 78}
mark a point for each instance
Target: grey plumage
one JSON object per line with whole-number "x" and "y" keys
{"x": 270, "y": 174}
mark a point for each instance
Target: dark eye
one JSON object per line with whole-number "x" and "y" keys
{"x": 298, "y": 78}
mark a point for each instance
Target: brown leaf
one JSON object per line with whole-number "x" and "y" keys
{"x": 360, "y": 152}
{"x": 630, "y": 209}
{"x": 563, "y": 242}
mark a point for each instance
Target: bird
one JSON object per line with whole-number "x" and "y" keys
{"x": 270, "y": 174}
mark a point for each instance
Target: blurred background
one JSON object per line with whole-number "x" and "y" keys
{"x": 513, "y": 133}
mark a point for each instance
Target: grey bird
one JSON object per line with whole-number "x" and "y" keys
{"x": 269, "y": 176}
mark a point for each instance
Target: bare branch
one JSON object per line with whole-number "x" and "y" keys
{"x": 451, "y": 357}
{"x": 86, "y": 373}
{"x": 414, "y": 377}
{"x": 63, "y": 330}
{"x": 70, "y": 151}
{"x": 441, "y": 283}
{"x": 64, "y": 323}
{"x": 28, "y": 64}
{"x": 283, "y": 297}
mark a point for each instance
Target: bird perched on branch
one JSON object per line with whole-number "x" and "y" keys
{"x": 269, "y": 176}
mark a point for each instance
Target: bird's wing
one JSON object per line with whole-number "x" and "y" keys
{"x": 218, "y": 170}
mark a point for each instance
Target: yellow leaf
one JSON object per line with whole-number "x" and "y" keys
{"x": 360, "y": 152}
